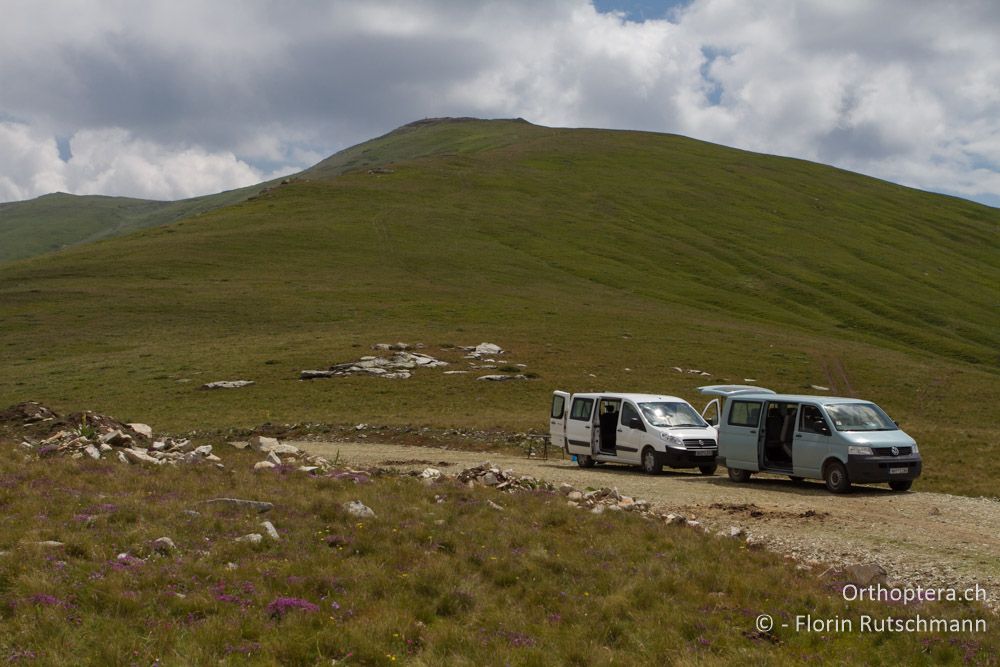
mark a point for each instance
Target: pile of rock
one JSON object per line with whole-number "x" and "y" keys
{"x": 487, "y": 474}
{"x": 99, "y": 436}
{"x": 396, "y": 367}
{"x": 284, "y": 456}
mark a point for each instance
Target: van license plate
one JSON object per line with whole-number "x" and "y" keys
{"x": 707, "y": 452}
{"x": 898, "y": 471}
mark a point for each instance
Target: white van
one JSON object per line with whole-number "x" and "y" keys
{"x": 648, "y": 430}
{"x": 838, "y": 440}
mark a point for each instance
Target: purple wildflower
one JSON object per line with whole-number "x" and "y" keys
{"x": 281, "y": 606}
{"x": 45, "y": 600}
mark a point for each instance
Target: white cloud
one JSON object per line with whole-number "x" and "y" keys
{"x": 112, "y": 162}
{"x": 207, "y": 95}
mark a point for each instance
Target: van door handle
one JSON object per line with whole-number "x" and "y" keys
{"x": 753, "y": 430}
{"x": 587, "y": 427}
{"x": 798, "y": 435}
{"x": 621, "y": 431}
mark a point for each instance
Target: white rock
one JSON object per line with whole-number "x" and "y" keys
{"x": 274, "y": 458}
{"x": 133, "y": 455}
{"x": 574, "y": 495}
{"x": 204, "y": 450}
{"x": 359, "y": 509}
{"x": 142, "y": 429}
{"x": 430, "y": 473}
{"x": 213, "y": 458}
{"x": 598, "y": 509}
{"x": 92, "y": 452}
{"x": 164, "y": 545}
{"x": 159, "y": 445}
{"x": 105, "y": 447}
{"x": 121, "y": 457}
{"x": 263, "y": 465}
{"x": 227, "y": 384}
{"x": 252, "y": 538}
{"x": 260, "y": 443}
{"x": 271, "y": 531}
{"x": 488, "y": 348}
{"x": 494, "y": 505}
{"x": 308, "y": 469}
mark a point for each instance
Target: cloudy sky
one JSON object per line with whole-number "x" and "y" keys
{"x": 173, "y": 98}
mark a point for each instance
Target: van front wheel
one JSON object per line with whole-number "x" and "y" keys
{"x": 650, "y": 463}
{"x": 739, "y": 476}
{"x": 901, "y": 485}
{"x": 835, "y": 476}
{"x": 708, "y": 469}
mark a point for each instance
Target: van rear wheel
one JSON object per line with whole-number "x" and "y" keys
{"x": 739, "y": 476}
{"x": 650, "y": 463}
{"x": 585, "y": 460}
{"x": 901, "y": 484}
{"x": 835, "y": 476}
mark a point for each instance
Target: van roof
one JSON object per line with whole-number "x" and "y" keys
{"x": 637, "y": 398}
{"x": 799, "y": 398}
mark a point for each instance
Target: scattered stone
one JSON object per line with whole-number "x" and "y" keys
{"x": 494, "y": 505}
{"x": 263, "y": 465}
{"x": 735, "y": 532}
{"x": 163, "y": 546}
{"x": 502, "y": 378}
{"x": 574, "y": 495}
{"x": 50, "y": 544}
{"x": 455, "y": 372}
{"x": 691, "y": 523}
{"x": 308, "y": 469}
{"x": 204, "y": 450}
{"x": 228, "y": 384}
{"x": 115, "y": 438}
{"x": 259, "y": 505}
{"x": 271, "y": 531}
{"x": 274, "y": 458}
{"x": 93, "y": 452}
{"x": 359, "y": 509}
{"x": 819, "y": 387}
{"x": 566, "y": 489}
{"x": 252, "y": 538}
{"x": 598, "y": 509}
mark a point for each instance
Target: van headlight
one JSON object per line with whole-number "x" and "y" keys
{"x": 915, "y": 450}
{"x": 671, "y": 440}
{"x": 858, "y": 450}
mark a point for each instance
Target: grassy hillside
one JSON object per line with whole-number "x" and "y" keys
{"x": 56, "y": 221}
{"x": 599, "y": 259}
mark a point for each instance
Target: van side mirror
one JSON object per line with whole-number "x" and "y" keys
{"x": 636, "y": 423}
{"x": 896, "y": 423}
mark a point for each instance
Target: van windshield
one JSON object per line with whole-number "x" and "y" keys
{"x": 860, "y": 417}
{"x": 672, "y": 415}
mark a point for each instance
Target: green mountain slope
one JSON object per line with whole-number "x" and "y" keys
{"x": 56, "y": 221}
{"x": 599, "y": 259}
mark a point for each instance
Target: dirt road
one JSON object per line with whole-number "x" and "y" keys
{"x": 926, "y": 539}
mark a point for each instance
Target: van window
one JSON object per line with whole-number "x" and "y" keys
{"x": 744, "y": 413}
{"x": 629, "y": 413}
{"x": 558, "y": 406}
{"x": 582, "y": 408}
{"x": 812, "y": 421}
{"x": 860, "y": 417}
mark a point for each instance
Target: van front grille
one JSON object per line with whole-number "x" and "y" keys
{"x": 887, "y": 451}
{"x": 698, "y": 443}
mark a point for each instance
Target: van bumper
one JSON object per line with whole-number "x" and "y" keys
{"x": 873, "y": 469}
{"x": 687, "y": 458}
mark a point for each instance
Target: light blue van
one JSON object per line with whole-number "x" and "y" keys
{"x": 839, "y": 440}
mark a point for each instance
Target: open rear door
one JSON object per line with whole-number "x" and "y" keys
{"x": 557, "y": 419}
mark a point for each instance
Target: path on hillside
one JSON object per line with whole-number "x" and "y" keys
{"x": 925, "y": 539}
